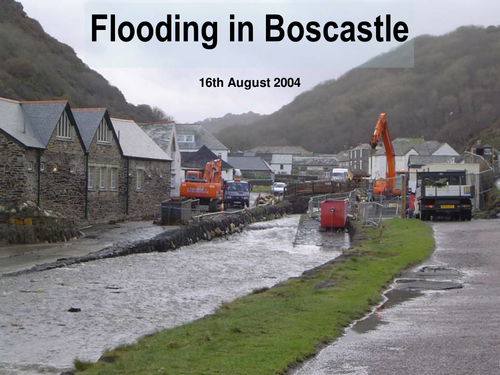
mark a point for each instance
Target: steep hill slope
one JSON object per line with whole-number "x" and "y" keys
{"x": 451, "y": 95}
{"x": 35, "y": 66}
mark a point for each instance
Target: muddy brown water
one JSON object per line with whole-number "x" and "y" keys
{"x": 122, "y": 299}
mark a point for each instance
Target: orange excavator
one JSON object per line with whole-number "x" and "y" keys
{"x": 207, "y": 185}
{"x": 390, "y": 185}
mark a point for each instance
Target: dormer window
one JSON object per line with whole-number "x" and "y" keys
{"x": 185, "y": 138}
{"x": 64, "y": 127}
{"x": 103, "y": 132}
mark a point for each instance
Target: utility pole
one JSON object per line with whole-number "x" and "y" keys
{"x": 403, "y": 196}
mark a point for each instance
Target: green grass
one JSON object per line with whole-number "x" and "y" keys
{"x": 269, "y": 330}
{"x": 261, "y": 189}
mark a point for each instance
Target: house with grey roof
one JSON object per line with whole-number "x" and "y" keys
{"x": 404, "y": 148}
{"x": 106, "y": 179}
{"x": 359, "y": 159}
{"x": 192, "y": 137}
{"x": 199, "y": 159}
{"x": 282, "y": 163}
{"x": 146, "y": 169}
{"x": 253, "y": 168}
{"x": 165, "y": 136}
{"x": 317, "y": 165}
{"x": 42, "y": 157}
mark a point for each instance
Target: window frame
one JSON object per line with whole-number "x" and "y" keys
{"x": 103, "y": 133}
{"x": 138, "y": 178}
{"x": 101, "y": 180}
{"x": 91, "y": 178}
{"x": 64, "y": 129}
{"x": 113, "y": 180}
{"x": 31, "y": 166}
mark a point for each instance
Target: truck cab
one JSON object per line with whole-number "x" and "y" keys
{"x": 237, "y": 193}
{"x": 443, "y": 194}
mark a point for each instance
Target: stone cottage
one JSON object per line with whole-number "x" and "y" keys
{"x": 105, "y": 175}
{"x": 146, "y": 170}
{"x": 42, "y": 157}
{"x": 165, "y": 136}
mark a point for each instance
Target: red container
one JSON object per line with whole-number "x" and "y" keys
{"x": 334, "y": 214}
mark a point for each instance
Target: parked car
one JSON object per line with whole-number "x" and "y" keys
{"x": 278, "y": 188}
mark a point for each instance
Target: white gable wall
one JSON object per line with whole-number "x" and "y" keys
{"x": 446, "y": 150}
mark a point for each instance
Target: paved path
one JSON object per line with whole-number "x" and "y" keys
{"x": 15, "y": 258}
{"x": 446, "y": 332}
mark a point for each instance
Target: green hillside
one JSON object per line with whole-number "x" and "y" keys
{"x": 35, "y": 66}
{"x": 452, "y": 94}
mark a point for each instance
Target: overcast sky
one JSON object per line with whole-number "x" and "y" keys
{"x": 177, "y": 90}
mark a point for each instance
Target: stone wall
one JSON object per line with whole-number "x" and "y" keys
{"x": 13, "y": 170}
{"x": 105, "y": 204}
{"x": 155, "y": 187}
{"x": 63, "y": 182}
{"x": 26, "y": 223}
{"x": 208, "y": 230}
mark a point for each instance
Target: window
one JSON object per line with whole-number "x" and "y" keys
{"x": 139, "y": 179}
{"x": 64, "y": 127}
{"x": 174, "y": 146}
{"x": 55, "y": 168}
{"x": 91, "y": 177}
{"x": 114, "y": 178}
{"x": 219, "y": 155}
{"x": 102, "y": 178}
{"x": 103, "y": 132}
{"x": 72, "y": 168}
{"x": 30, "y": 166}
{"x": 282, "y": 166}
{"x": 42, "y": 167}
{"x": 185, "y": 138}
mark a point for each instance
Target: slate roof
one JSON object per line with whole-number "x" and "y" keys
{"x": 87, "y": 121}
{"x": 249, "y": 163}
{"x": 135, "y": 143}
{"x": 198, "y": 159}
{"x": 30, "y": 123}
{"x": 292, "y": 150}
{"x": 403, "y": 145}
{"x": 161, "y": 133}
{"x": 316, "y": 161}
{"x": 420, "y": 160}
{"x": 282, "y": 159}
{"x": 202, "y": 137}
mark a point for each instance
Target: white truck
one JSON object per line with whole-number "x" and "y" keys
{"x": 340, "y": 175}
{"x": 443, "y": 194}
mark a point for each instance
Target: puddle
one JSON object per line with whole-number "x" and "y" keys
{"x": 375, "y": 319}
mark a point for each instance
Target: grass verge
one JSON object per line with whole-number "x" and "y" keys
{"x": 261, "y": 189}
{"x": 270, "y": 330}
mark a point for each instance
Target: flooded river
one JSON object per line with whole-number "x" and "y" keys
{"x": 121, "y": 299}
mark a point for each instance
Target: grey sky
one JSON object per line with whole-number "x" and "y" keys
{"x": 177, "y": 90}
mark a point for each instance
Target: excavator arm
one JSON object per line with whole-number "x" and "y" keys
{"x": 382, "y": 129}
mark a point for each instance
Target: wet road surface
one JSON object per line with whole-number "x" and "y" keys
{"x": 455, "y": 331}
{"x": 124, "y": 298}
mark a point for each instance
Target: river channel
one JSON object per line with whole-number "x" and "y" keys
{"x": 122, "y": 299}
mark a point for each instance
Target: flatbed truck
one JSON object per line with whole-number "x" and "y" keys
{"x": 444, "y": 194}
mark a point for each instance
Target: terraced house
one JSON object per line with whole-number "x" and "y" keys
{"x": 79, "y": 162}
{"x": 42, "y": 156}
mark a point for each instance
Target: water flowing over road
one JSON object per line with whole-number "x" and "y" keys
{"x": 122, "y": 299}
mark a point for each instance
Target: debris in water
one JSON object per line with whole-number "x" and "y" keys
{"x": 74, "y": 309}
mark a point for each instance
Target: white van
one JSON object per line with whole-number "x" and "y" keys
{"x": 340, "y": 174}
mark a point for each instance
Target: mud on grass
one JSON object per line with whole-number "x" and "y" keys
{"x": 270, "y": 331}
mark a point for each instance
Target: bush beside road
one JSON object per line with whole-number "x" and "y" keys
{"x": 270, "y": 330}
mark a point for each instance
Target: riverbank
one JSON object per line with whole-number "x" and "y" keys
{"x": 271, "y": 330}
{"x": 160, "y": 240}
